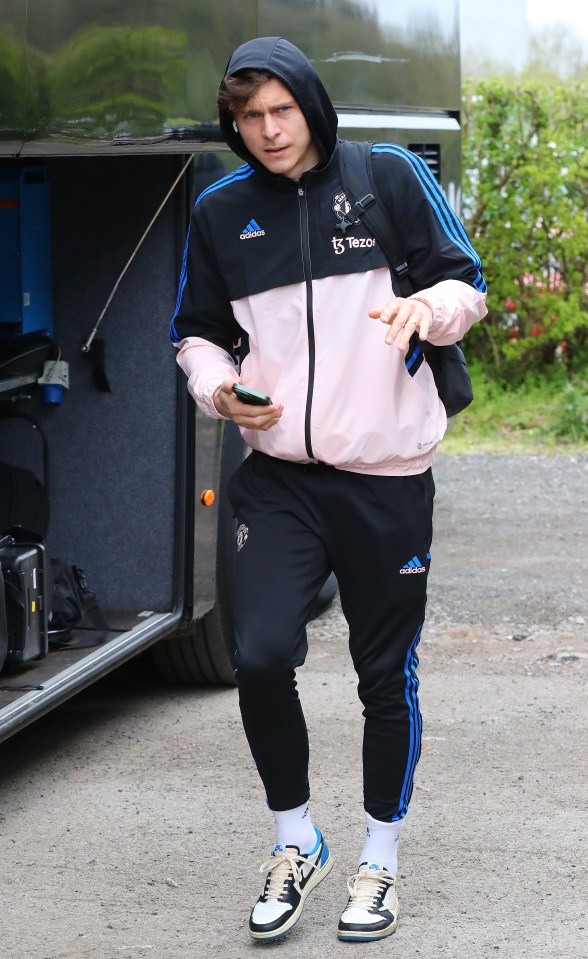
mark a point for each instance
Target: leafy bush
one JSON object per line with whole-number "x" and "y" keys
{"x": 108, "y": 79}
{"x": 525, "y": 191}
{"x": 22, "y": 69}
{"x": 570, "y": 419}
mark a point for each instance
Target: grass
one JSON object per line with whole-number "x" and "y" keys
{"x": 544, "y": 416}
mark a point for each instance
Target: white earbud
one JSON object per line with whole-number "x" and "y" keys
{"x": 235, "y": 127}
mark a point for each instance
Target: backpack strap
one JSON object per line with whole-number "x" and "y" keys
{"x": 447, "y": 363}
{"x": 355, "y": 169}
{"x": 92, "y": 613}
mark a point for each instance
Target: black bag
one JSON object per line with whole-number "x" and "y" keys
{"x": 26, "y": 576}
{"x": 451, "y": 375}
{"x": 24, "y": 499}
{"x": 23, "y": 502}
{"x": 448, "y": 364}
{"x": 73, "y": 603}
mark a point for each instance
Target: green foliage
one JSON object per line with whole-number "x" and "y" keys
{"x": 118, "y": 78}
{"x": 543, "y": 412}
{"x": 570, "y": 419}
{"x": 202, "y": 79}
{"x": 525, "y": 203}
{"x": 22, "y": 69}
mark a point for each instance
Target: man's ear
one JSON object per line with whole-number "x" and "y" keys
{"x": 235, "y": 127}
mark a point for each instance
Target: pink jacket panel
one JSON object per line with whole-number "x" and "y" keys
{"x": 384, "y": 431}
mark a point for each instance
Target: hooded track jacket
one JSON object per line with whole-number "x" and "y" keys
{"x": 265, "y": 266}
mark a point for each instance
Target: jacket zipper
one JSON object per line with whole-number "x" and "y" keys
{"x": 307, "y": 269}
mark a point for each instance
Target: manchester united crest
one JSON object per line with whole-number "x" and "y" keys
{"x": 241, "y": 537}
{"x": 341, "y": 206}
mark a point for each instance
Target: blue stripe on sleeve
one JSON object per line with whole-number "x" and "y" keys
{"x": 241, "y": 173}
{"x": 449, "y": 222}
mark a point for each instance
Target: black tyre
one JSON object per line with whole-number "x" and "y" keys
{"x": 203, "y": 652}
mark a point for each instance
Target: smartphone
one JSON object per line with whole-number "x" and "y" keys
{"x": 247, "y": 395}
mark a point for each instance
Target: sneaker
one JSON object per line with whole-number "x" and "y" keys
{"x": 372, "y": 910}
{"x": 290, "y": 878}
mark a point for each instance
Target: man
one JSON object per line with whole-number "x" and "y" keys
{"x": 339, "y": 478}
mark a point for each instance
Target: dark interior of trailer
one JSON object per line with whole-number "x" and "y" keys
{"x": 110, "y": 445}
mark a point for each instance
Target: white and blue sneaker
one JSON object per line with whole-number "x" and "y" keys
{"x": 372, "y": 910}
{"x": 290, "y": 878}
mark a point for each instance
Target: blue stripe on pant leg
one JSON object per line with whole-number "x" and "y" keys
{"x": 415, "y": 725}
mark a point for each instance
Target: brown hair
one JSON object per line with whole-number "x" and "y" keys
{"x": 234, "y": 92}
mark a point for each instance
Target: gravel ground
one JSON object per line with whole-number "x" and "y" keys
{"x": 132, "y": 822}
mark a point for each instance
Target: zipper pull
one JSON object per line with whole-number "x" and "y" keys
{"x": 300, "y": 191}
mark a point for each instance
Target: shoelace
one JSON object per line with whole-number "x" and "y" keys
{"x": 366, "y": 887}
{"x": 280, "y": 867}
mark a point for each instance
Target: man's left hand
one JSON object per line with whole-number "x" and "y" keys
{"x": 404, "y": 316}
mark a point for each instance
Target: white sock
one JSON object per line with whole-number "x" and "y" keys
{"x": 381, "y": 843}
{"x": 294, "y": 828}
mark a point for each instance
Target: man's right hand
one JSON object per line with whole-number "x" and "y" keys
{"x": 244, "y": 414}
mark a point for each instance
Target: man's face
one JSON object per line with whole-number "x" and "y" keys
{"x": 274, "y": 130}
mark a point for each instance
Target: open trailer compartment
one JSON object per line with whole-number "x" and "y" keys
{"x": 111, "y": 441}
{"x": 117, "y": 452}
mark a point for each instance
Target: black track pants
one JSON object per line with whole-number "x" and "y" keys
{"x": 295, "y": 524}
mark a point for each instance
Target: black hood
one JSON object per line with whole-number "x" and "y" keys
{"x": 289, "y": 65}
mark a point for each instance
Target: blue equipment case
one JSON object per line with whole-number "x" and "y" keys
{"x": 25, "y": 252}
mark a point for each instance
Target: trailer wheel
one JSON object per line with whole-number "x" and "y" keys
{"x": 197, "y": 657}
{"x": 203, "y": 652}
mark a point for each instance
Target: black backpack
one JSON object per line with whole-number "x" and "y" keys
{"x": 447, "y": 363}
{"x": 74, "y": 605}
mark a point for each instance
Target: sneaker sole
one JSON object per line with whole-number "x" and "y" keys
{"x": 317, "y": 877}
{"x": 345, "y": 935}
